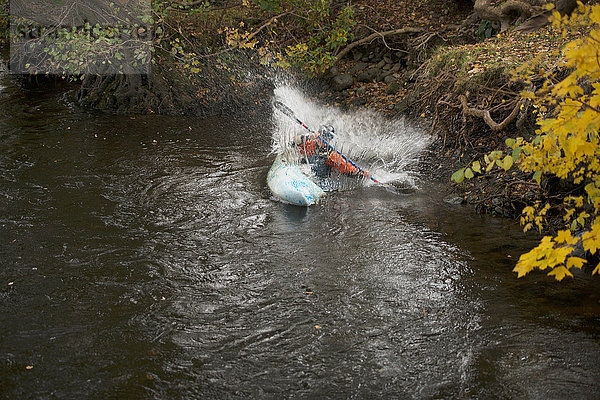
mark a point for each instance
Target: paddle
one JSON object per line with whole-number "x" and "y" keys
{"x": 288, "y": 112}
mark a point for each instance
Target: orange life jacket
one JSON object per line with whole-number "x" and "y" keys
{"x": 341, "y": 164}
{"x": 308, "y": 147}
{"x": 313, "y": 145}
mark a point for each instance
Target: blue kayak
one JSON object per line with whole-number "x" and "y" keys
{"x": 290, "y": 185}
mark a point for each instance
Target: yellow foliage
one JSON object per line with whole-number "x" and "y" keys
{"x": 565, "y": 237}
{"x": 568, "y": 147}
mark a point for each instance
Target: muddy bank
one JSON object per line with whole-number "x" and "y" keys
{"x": 218, "y": 88}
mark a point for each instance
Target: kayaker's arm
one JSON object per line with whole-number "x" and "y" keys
{"x": 300, "y": 140}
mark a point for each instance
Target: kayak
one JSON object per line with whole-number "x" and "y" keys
{"x": 291, "y": 185}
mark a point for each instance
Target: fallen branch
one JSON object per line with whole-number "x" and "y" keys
{"x": 424, "y": 39}
{"x": 374, "y": 36}
{"x": 503, "y": 13}
{"x": 485, "y": 114}
{"x": 269, "y": 22}
{"x": 382, "y": 39}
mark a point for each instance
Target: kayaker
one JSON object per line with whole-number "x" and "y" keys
{"x": 320, "y": 154}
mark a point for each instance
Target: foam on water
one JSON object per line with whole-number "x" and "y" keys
{"x": 388, "y": 148}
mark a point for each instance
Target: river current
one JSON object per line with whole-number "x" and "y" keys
{"x": 143, "y": 257}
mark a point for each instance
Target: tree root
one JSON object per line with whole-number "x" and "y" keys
{"x": 486, "y": 116}
{"x": 503, "y": 13}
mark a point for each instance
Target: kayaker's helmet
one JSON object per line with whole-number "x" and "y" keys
{"x": 326, "y": 132}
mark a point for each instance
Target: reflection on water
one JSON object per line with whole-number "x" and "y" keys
{"x": 143, "y": 257}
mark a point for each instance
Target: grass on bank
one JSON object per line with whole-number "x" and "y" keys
{"x": 498, "y": 56}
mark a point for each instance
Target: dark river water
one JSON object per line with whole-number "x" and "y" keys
{"x": 142, "y": 257}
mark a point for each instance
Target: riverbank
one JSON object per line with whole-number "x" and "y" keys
{"x": 467, "y": 94}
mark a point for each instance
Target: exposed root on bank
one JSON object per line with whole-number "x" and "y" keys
{"x": 487, "y": 117}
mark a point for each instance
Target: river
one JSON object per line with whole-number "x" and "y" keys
{"x": 143, "y": 257}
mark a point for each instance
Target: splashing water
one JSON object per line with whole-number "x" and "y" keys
{"x": 389, "y": 149}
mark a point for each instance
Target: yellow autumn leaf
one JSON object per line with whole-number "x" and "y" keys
{"x": 559, "y": 273}
{"x": 575, "y": 262}
{"x": 522, "y": 269}
{"x": 507, "y": 162}
{"x": 564, "y": 237}
{"x": 591, "y": 239}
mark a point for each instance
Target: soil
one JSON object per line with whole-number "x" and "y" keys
{"x": 441, "y": 21}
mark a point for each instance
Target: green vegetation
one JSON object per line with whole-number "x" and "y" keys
{"x": 326, "y": 36}
{"x": 124, "y": 46}
{"x": 317, "y": 30}
{"x": 304, "y": 33}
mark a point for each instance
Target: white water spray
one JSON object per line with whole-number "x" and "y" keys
{"x": 389, "y": 149}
